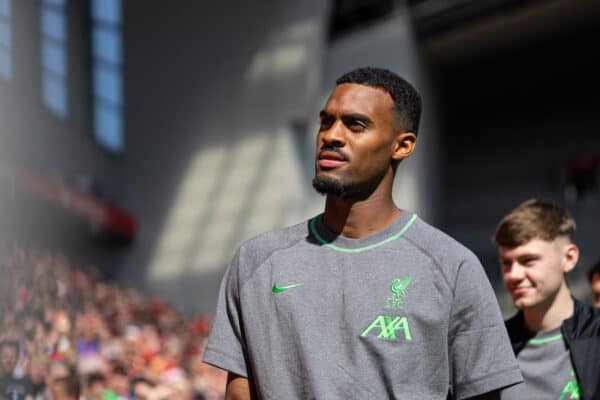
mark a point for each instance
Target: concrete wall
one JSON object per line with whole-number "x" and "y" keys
{"x": 513, "y": 117}
{"x": 213, "y": 91}
{"x": 30, "y": 135}
{"x": 212, "y": 96}
{"x": 234, "y": 156}
{"x": 221, "y": 106}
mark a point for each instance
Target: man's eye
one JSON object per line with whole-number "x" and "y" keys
{"x": 325, "y": 123}
{"x": 356, "y": 126}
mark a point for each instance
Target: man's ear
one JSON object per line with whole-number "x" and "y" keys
{"x": 404, "y": 144}
{"x": 571, "y": 256}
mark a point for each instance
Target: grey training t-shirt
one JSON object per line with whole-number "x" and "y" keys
{"x": 546, "y": 366}
{"x": 406, "y": 313}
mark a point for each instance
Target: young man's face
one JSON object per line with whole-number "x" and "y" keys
{"x": 356, "y": 139}
{"x": 534, "y": 272}
{"x": 595, "y": 284}
{"x": 8, "y": 359}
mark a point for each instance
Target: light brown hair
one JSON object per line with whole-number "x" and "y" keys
{"x": 534, "y": 219}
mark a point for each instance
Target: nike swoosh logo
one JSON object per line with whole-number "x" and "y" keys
{"x": 279, "y": 289}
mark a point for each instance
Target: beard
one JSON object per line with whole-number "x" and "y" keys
{"x": 347, "y": 188}
{"x": 325, "y": 185}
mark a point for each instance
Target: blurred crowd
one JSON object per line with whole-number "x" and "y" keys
{"x": 67, "y": 333}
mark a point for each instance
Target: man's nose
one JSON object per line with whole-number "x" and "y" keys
{"x": 335, "y": 135}
{"x": 514, "y": 272}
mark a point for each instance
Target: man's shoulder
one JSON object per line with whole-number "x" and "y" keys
{"x": 436, "y": 243}
{"x": 260, "y": 247}
{"x": 588, "y": 310}
{"x": 277, "y": 237}
{"x": 585, "y": 321}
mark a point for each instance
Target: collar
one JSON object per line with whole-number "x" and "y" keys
{"x": 571, "y": 327}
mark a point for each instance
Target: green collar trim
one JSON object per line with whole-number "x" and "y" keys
{"x": 313, "y": 229}
{"x": 545, "y": 340}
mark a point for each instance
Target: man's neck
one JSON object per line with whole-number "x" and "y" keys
{"x": 550, "y": 314}
{"x": 357, "y": 219}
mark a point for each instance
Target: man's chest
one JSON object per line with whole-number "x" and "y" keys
{"x": 547, "y": 370}
{"x": 354, "y": 298}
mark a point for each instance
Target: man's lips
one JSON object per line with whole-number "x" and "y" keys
{"x": 520, "y": 290}
{"x": 326, "y": 163}
{"x": 330, "y": 159}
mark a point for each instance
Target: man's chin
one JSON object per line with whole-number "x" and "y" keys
{"x": 519, "y": 305}
{"x": 523, "y": 303}
{"x": 327, "y": 185}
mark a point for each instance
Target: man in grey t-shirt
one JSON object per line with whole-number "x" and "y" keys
{"x": 365, "y": 301}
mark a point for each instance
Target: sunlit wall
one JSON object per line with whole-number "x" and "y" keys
{"x": 199, "y": 119}
{"x": 234, "y": 157}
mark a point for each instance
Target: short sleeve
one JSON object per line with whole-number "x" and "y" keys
{"x": 481, "y": 357}
{"x": 226, "y": 343}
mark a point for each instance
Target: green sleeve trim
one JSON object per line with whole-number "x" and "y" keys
{"x": 313, "y": 230}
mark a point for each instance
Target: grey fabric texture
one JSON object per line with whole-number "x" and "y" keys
{"x": 405, "y": 313}
{"x": 547, "y": 370}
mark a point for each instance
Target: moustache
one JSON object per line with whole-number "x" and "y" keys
{"x": 333, "y": 149}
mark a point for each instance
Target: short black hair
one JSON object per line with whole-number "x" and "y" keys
{"x": 595, "y": 269}
{"x": 407, "y": 101}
